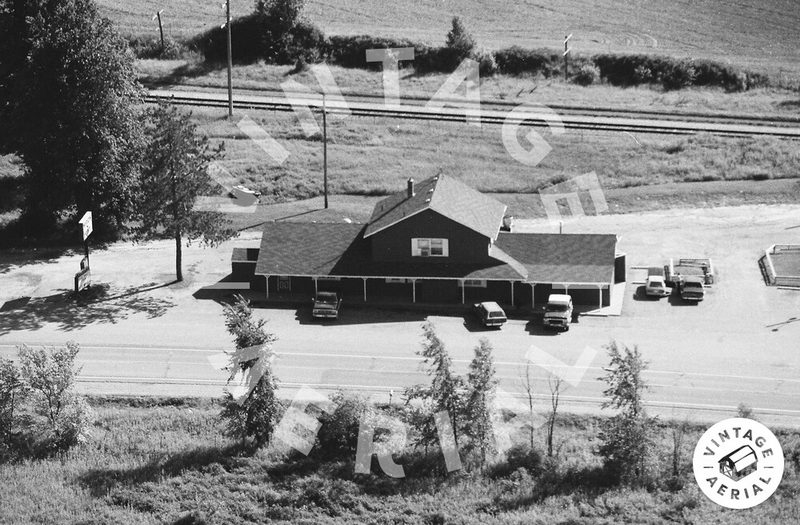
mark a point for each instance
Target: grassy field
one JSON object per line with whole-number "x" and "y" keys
{"x": 514, "y": 89}
{"x": 159, "y": 463}
{"x": 758, "y": 35}
{"x": 371, "y": 156}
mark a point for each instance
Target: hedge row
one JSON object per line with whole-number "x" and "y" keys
{"x": 674, "y": 73}
{"x": 308, "y": 44}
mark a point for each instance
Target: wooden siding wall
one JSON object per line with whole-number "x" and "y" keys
{"x": 394, "y": 243}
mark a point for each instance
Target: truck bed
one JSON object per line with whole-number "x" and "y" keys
{"x": 686, "y": 267}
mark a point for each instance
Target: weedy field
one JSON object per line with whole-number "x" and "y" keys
{"x": 158, "y": 464}
{"x": 758, "y": 35}
{"x": 374, "y": 156}
{"x": 508, "y": 88}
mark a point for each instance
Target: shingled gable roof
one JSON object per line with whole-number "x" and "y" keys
{"x": 444, "y": 195}
{"x": 321, "y": 249}
{"x": 568, "y": 258}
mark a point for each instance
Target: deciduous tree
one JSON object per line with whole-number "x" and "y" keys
{"x": 50, "y": 373}
{"x": 68, "y": 96}
{"x": 446, "y": 391}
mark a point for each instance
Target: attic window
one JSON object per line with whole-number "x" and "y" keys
{"x": 429, "y": 247}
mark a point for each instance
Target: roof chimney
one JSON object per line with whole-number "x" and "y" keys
{"x": 410, "y": 188}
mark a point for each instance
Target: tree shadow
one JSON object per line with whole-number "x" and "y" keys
{"x": 586, "y": 481}
{"x": 71, "y": 311}
{"x": 676, "y": 300}
{"x": 360, "y": 314}
{"x": 12, "y": 259}
{"x": 641, "y": 295}
{"x": 182, "y": 72}
{"x": 536, "y": 327}
{"x": 100, "y": 482}
{"x": 789, "y": 104}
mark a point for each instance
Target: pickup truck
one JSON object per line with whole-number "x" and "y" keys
{"x": 691, "y": 288}
{"x": 558, "y": 313}
{"x": 326, "y": 305}
{"x": 490, "y": 314}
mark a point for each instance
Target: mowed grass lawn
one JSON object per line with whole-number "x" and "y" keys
{"x": 375, "y": 156}
{"x": 759, "y": 35}
{"x": 148, "y": 465}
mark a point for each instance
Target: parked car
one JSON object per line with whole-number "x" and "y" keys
{"x": 490, "y": 314}
{"x": 692, "y": 288}
{"x": 326, "y": 305}
{"x": 656, "y": 285}
{"x": 558, "y": 313}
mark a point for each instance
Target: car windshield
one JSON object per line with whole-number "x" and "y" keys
{"x": 656, "y": 282}
{"x": 496, "y": 314}
{"x": 557, "y": 307}
{"x": 326, "y": 298}
{"x": 692, "y": 285}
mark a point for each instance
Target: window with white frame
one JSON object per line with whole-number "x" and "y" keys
{"x": 429, "y": 247}
{"x": 473, "y": 283}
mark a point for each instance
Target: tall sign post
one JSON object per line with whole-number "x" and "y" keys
{"x": 566, "y": 54}
{"x": 83, "y": 276}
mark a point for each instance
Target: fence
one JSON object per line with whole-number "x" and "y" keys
{"x": 774, "y": 277}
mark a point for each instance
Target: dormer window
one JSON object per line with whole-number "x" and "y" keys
{"x": 429, "y": 247}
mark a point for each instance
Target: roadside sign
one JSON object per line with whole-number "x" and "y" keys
{"x": 86, "y": 221}
{"x": 84, "y": 263}
{"x": 82, "y": 279}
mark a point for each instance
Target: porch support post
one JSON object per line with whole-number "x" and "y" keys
{"x": 266, "y": 278}
{"x": 533, "y": 296}
{"x": 315, "y": 285}
{"x": 512, "y": 292}
{"x": 365, "y": 289}
{"x": 462, "y": 290}
{"x": 413, "y": 290}
{"x": 600, "y": 295}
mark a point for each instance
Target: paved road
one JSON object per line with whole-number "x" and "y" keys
{"x": 740, "y": 345}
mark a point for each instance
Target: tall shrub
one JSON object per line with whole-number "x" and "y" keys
{"x": 459, "y": 43}
{"x": 480, "y": 401}
{"x": 627, "y": 436}
{"x": 255, "y": 414}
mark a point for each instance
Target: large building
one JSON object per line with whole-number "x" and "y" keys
{"x": 439, "y": 241}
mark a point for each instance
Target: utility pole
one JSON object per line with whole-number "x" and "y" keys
{"x": 160, "y": 28}
{"x": 566, "y": 55}
{"x": 325, "y": 150}
{"x": 230, "y": 59}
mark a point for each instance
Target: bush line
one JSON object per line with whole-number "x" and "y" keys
{"x": 310, "y": 45}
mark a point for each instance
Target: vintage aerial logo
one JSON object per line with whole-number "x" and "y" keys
{"x": 738, "y": 463}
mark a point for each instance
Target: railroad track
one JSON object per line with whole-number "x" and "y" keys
{"x": 498, "y": 113}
